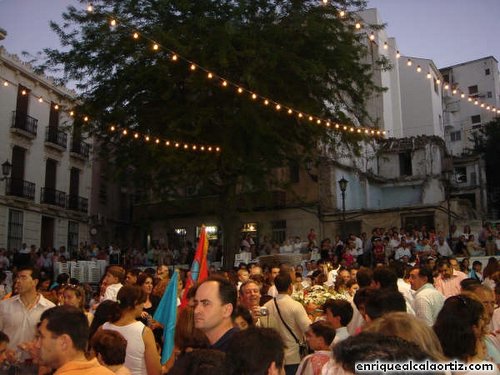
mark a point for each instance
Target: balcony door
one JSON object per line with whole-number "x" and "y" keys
{"x": 74, "y": 182}
{"x": 17, "y": 174}
{"x": 50, "y": 181}
{"x": 47, "y": 235}
{"x": 23, "y": 97}
{"x": 54, "y": 116}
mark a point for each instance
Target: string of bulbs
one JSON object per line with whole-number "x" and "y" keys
{"x": 239, "y": 89}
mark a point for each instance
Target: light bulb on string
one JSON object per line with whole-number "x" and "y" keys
{"x": 112, "y": 128}
{"x": 278, "y": 107}
{"x": 386, "y": 46}
{"x": 90, "y": 8}
{"x": 136, "y": 135}
{"x": 342, "y": 14}
{"x": 398, "y": 55}
{"x": 124, "y": 132}
{"x": 357, "y": 25}
{"x": 112, "y": 23}
{"x": 289, "y": 111}
{"x": 419, "y": 68}
{"x": 446, "y": 86}
{"x": 40, "y": 100}
{"x": 210, "y": 75}
{"x": 266, "y": 102}
{"x": 156, "y": 47}
{"x": 56, "y": 107}
{"x": 174, "y": 57}
{"x": 224, "y": 83}
{"x": 409, "y": 62}
{"x": 429, "y": 76}
{"x": 135, "y": 35}
{"x": 254, "y": 96}
{"x": 372, "y": 36}
{"x": 240, "y": 90}
{"x": 5, "y": 83}
{"x": 192, "y": 67}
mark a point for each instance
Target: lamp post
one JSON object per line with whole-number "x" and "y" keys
{"x": 6, "y": 168}
{"x": 343, "y": 186}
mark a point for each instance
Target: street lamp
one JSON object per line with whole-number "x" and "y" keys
{"x": 6, "y": 168}
{"x": 343, "y": 186}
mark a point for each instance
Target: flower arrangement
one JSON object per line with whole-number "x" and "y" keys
{"x": 316, "y": 295}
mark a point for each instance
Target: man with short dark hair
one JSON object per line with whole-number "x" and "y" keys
{"x": 215, "y": 305}
{"x": 62, "y": 341}
{"x": 428, "y": 301}
{"x": 339, "y": 313}
{"x": 448, "y": 280}
{"x": 256, "y": 351}
{"x": 20, "y": 314}
{"x": 285, "y": 315}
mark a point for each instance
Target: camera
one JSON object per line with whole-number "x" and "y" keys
{"x": 263, "y": 311}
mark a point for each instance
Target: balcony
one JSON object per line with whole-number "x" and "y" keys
{"x": 80, "y": 149}
{"x": 23, "y": 124}
{"x": 53, "y": 197}
{"x": 76, "y": 203}
{"x": 56, "y": 138}
{"x": 20, "y": 188}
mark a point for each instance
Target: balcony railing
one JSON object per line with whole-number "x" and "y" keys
{"x": 20, "y": 188}
{"x": 53, "y": 196}
{"x": 80, "y": 148}
{"x": 56, "y": 137}
{"x": 77, "y": 203}
{"x": 21, "y": 121}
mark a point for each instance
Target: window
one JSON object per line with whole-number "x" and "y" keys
{"x": 72, "y": 237}
{"x": 473, "y": 90}
{"x": 278, "y": 230}
{"x": 15, "y": 233}
{"x": 489, "y": 94}
{"x": 436, "y": 86}
{"x": 455, "y": 136}
{"x": 460, "y": 175}
{"x": 405, "y": 164}
{"x": 476, "y": 119}
{"x": 487, "y": 72}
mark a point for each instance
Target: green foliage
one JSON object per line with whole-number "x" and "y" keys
{"x": 298, "y": 53}
{"x": 486, "y": 143}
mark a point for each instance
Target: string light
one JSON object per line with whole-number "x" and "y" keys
{"x": 135, "y": 36}
{"x": 174, "y": 57}
{"x": 113, "y": 23}
{"x": 90, "y": 8}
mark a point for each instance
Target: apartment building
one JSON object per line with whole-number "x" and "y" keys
{"x": 44, "y": 198}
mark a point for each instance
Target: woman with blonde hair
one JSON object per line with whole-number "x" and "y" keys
{"x": 409, "y": 328}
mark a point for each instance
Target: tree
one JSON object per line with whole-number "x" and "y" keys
{"x": 486, "y": 143}
{"x": 300, "y": 54}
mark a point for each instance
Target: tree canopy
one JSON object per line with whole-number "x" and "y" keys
{"x": 301, "y": 54}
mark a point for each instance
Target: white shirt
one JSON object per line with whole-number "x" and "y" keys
{"x": 134, "y": 358}
{"x": 296, "y": 318}
{"x": 401, "y": 252}
{"x": 19, "y": 323}
{"x": 444, "y": 249}
{"x": 428, "y": 303}
{"x": 340, "y": 335}
{"x": 111, "y": 292}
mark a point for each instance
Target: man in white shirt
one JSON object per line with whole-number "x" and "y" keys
{"x": 442, "y": 247}
{"x": 19, "y": 315}
{"x": 339, "y": 313}
{"x": 428, "y": 301}
{"x": 285, "y": 312}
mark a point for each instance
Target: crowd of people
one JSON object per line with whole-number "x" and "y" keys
{"x": 394, "y": 296}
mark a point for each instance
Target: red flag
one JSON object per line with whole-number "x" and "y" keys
{"x": 199, "y": 269}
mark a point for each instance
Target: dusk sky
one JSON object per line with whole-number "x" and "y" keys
{"x": 446, "y": 31}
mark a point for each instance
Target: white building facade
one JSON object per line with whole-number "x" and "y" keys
{"x": 44, "y": 200}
